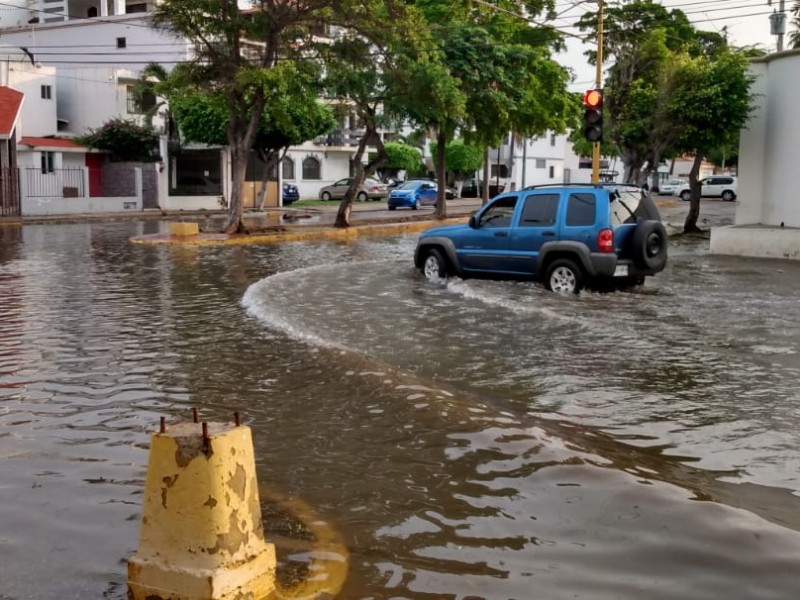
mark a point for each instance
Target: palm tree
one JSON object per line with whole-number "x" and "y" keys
{"x": 794, "y": 37}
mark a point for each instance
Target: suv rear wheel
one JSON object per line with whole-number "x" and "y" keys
{"x": 728, "y": 196}
{"x": 434, "y": 267}
{"x": 564, "y": 276}
{"x": 686, "y": 195}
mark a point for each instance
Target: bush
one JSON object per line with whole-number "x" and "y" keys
{"x": 125, "y": 140}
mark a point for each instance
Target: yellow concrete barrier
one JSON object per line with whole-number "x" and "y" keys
{"x": 201, "y": 535}
{"x": 183, "y": 229}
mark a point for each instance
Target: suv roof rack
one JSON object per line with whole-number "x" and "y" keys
{"x": 599, "y": 184}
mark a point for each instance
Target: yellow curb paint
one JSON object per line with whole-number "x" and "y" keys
{"x": 183, "y": 229}
{"x": 297, "y": 234}
{"x": 201, "y": 535}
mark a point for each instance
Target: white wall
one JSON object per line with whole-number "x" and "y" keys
{"x": 38, "y": 115}
{"x": 550, "y": 149}
{"x": 770, "y": 145}
{"x": 91, "y": 96}
{"x": 76, "y": 44}
{"x": 334, "y": 167}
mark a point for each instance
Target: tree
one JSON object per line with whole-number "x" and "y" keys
{"x": 363, "y": 66}
{"x": 794, "y": 37}
{"x": 401, "y": 157}
{"x": 710, "y": 106}
{"x": 496, "y": 73}
{"x": 292, "y": 115}
{"x": 125, "y": 141}
{"x": 462, "y": 160}
{"x": 235, "y": 52}
{"x": 642, "y": 39}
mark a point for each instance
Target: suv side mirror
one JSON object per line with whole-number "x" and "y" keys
{"x": 472, "y": 222}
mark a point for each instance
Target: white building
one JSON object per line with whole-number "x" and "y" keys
{"x": 767, "y": 219}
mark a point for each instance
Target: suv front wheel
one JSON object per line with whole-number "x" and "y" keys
{"x": 434, "y": 267}
{"x": 563, "y": 276}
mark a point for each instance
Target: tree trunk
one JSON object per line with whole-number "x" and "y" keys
{"x": 459, "y": 187}
{"x": 241, "y": 135}
{"x": 235, "y": 206}
{"x": 690, "y": 226}
{"x": 485, "y": 182}
{"x": 440, "y": 211}
{"x": 362, "y": 172}
{"x": 268, "y": 158}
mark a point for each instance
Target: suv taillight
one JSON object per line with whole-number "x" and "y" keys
{"x": 605, "y": 240}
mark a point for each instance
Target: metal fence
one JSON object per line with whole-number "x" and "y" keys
{"x": 58, "y": 183}
{"x": 9, "y": 192}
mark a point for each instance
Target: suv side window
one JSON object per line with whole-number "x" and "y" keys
{"x": 499, "y": 214}
{"x": 581, "y": 209}
{"x": 539, "y": 210}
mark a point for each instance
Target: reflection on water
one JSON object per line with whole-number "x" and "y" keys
{"x": 472, "y": 439}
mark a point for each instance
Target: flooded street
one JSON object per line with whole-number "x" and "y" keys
{"x": 468, "y": 439}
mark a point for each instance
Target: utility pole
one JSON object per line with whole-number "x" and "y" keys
{"x": 599, "y": 85}
{"x": 777, "y": 21}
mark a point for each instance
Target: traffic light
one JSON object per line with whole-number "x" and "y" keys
{"x": 593, "y": 115}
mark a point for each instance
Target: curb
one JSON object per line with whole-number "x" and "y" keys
{"x": 294, "y": 234}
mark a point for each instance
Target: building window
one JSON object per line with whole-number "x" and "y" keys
{"x": 48, "y": 162}
{"x": 287, "y": 168}
{"x": 552, "y": 139}
{"x": 142, "y": 103}
{"x": 541, "y": 163}
{"x": 47, "y": 92}
{"x": 311, "y": 168}
{"x": 499, "y": 170}
{"x": 122, "y": 42}
{"x": 552, "y": 172}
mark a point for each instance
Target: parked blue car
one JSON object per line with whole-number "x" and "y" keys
{"x": 290, "y": 194}
{"x": 413, "y": 194}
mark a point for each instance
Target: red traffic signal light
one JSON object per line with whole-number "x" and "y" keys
{"x": 593, "y": 115}
{"x": 593, "y": 99}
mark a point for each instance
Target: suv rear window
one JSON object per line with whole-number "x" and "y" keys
{"x": 630, "y": 205}
{"x": 581, "y": 209}
{"x": 539, "y": 210}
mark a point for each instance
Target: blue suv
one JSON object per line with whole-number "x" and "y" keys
{"x": 569, "y": 236}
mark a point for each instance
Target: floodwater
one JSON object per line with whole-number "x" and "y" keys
{"x": 468, "y": 439}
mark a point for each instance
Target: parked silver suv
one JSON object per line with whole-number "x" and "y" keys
{"x": 716, "y": 186}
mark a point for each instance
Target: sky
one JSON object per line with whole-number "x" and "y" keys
{"x": 747, "y": 23}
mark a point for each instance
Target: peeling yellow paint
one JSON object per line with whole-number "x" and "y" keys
{"x": 194, "y": 546}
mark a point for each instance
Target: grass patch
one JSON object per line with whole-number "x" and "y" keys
{"x": 314, "y": 202}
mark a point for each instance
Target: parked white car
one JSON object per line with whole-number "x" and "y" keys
{"x": 717, "y": 186}
{"x": 671, "y": 186}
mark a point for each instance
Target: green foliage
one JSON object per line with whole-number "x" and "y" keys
{"x": 125, "y": 140}
{"x": 794, "y": 36}
{"x": 712, "y": 102}
{"x": 292, "y": 115}
{"x": 462, "y": 159}
{"x": 403, "y": 157}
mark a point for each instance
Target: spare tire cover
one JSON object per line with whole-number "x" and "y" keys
{"x": 650, "y": 246}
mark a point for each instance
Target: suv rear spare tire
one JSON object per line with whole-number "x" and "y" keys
{"x": 649, "y": 246}
{"x": 564, "y": 276}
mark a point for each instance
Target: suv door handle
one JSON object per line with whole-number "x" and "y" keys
{"x": 500, "y": 234}
{"x": 550, "y": 233}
